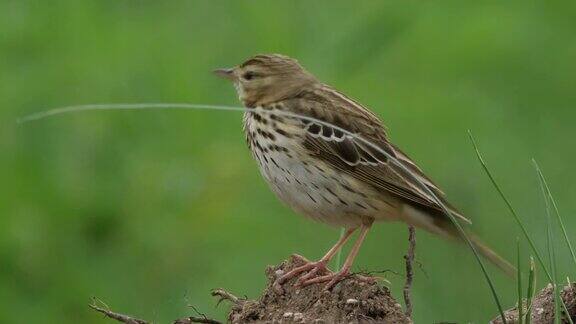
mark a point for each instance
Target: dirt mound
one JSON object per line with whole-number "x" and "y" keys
{"x": 350, "y": 301}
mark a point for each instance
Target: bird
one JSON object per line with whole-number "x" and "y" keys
{"x": 334, "y": 163}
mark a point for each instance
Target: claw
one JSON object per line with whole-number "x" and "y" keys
{"x": 334, "y": 278}
{"x": 319, "y": 268}
{"x": 311, "y": 269}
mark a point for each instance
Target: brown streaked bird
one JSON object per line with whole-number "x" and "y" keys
{"x": 325, "y": 174}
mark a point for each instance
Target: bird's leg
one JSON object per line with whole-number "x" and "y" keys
{"x": 334, "y": 278}
{"x": 314, "y": 267}
{"x": 320, "y": 265}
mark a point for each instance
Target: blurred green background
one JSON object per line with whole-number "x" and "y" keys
{"x": 150, "y": 210}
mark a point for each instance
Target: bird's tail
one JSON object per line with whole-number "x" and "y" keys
{"x": 492, "y": 256}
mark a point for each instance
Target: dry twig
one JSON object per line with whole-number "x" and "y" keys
{"x": 409, "y": 257}
{"x": 224, "y": 295}
{"x": 131, "y": 320}
{"x": 193, "y": 319}
{"x": 116, "y": 316}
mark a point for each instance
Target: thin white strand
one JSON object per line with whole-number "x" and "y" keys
{"x": 188, "y": 106}
{"x": 114, "y": 106}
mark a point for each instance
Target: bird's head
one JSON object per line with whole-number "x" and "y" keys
{"x": 267, "y": 78}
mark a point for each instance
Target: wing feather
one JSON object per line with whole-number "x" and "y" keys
{"x": 360, "y": 160}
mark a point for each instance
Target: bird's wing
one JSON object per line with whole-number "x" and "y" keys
{"x": 359, "y": 159}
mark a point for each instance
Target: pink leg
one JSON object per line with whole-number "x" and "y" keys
{"x": 314, "y": 267}
{"x": 334, "y": 278}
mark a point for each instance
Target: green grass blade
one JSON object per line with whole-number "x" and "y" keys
{"x": 568, "y": 317}
{"x": 548, "y": 193}
{"x": 338, "y": 259}
{"x": 519, "y": 280}
{"x": 510, "y": 207}
{"x": 530, "y": 292}
{"x": 479, "y": 260}
{"x": 552, "y": 255}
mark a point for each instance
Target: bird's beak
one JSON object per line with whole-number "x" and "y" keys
{"x": 226, "y": 73}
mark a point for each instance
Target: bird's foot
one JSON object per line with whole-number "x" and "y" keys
{"x": 310, "y": 268}
{"x": 334, "y": 278}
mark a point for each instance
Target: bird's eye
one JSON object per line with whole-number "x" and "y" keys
{"x": 249, "y": 75}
